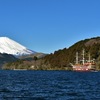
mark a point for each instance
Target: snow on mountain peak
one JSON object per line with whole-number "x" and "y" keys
{"x": 9, "y": 46}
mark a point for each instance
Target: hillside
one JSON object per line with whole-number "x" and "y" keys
{"x": 61, "y": 59}
{"x": 5, "y": 58}
{"x": 33, "y": 61}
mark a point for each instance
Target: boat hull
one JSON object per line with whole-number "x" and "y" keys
{"x": 81, "y": 68}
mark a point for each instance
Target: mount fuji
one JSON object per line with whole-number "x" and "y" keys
{"x": 10, "y": 46}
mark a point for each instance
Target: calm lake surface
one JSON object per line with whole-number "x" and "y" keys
{"x": 49, "y": 85}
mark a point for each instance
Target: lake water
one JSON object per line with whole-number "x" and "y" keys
{"x": 49, "y": 85}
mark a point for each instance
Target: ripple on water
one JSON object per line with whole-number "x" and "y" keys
{"x": 49, "y": 85}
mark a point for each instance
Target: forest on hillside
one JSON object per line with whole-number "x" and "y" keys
{"x": 63, "y": 58}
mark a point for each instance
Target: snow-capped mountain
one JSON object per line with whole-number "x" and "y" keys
{"x": 9, "y": 46}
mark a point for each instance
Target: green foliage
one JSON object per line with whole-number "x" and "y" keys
{"x": 35, "y": 58}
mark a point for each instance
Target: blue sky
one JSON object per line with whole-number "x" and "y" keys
{"x": 49, "y": 25}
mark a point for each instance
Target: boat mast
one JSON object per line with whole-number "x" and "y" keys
{"x": 83, "y": 57}
{"x": 76, "y": 57}
{"x": 89, "y": 58}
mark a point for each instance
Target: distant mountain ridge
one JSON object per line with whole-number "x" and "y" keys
{"x": 10, "y": 46}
